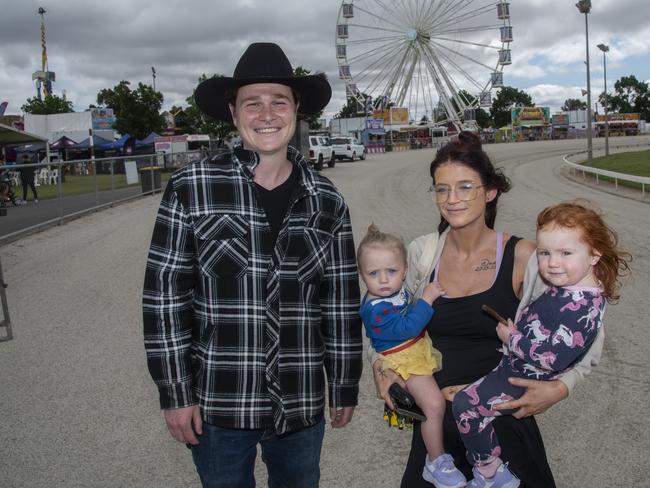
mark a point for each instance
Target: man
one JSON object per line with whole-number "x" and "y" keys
{"x": 251, "y": 288}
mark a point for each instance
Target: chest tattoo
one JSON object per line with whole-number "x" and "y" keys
{"x": 486, "y": 265}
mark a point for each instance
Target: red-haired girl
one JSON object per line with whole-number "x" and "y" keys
{"x": 580, "y": 261}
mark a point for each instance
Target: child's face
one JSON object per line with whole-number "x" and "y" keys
{"x": 564, "y": 258}
{"x": 382, "y": 270}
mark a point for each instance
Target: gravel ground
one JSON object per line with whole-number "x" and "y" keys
{"x": 79, "y": 409}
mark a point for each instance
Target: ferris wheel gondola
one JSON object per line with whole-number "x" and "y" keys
{"x": 440, "y": 59}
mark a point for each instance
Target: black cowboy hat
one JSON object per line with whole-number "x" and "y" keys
{"x": 262, "y": 62}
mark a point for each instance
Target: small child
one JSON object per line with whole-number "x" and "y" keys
{"x": 579, "y": 260}
{"x": 397, "y": 330}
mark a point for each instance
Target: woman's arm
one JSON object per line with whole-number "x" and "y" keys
{"x": 383, "y": 379}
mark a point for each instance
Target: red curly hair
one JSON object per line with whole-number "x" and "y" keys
{"x": 579, "y": 214}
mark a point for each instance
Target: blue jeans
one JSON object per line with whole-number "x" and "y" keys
{"x": 225, "y": 458}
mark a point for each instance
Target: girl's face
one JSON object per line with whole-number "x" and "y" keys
{"x": 564, "y": 258}
{"x": 382, "y": 270}
{"x": 465, "y": 197}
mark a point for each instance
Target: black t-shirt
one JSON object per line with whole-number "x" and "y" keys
{"x": 276, "y": 202}
{"x": 465, "y": 335}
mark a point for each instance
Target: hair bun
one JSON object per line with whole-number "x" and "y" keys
{"x": 470, "y": 139}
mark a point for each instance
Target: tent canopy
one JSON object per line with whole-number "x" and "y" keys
{"x": 62, "y": 142}
{"x": 114, "y": 145}
{"x": 147, "y": 141}
{"x": 85, "y": 144}
{"x": 14, "y": 137}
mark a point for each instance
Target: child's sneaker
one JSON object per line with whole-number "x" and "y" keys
{"x": 442, "y": 472}
{"x": 503, "y": 478}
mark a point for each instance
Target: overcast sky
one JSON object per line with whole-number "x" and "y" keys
{"x": 93, "y": 45}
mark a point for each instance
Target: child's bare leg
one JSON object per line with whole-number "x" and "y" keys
{"x": 429, "y": 398}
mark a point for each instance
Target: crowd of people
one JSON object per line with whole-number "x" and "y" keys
{"x": 253, "y": 314}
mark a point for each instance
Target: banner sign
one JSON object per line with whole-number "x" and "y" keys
{"x": 529, "y": 116}
{"x": 394, "y": 115}
{"x": 102, "y": 118}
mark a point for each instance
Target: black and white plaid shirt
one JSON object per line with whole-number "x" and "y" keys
{"x": 242, "y": 328}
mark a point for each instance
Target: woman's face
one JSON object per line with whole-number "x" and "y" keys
{"x": 466, "y": 195}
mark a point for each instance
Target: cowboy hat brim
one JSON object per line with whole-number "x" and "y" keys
{"x": 314, "y": 92}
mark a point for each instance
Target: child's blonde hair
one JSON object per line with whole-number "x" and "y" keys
{"x": 580, "y": 214}
{"x": 375, "y": 238}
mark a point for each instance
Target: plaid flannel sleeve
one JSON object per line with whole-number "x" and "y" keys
{"x": 167, "y": 303}
{"x": 341, "y": 324}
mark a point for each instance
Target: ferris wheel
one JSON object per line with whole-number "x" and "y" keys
{"x": 440, "y": 59}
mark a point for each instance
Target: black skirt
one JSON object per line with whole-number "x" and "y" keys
{"x": 521, "y": 443}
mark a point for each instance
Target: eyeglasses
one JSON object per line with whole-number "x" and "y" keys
{"x": 464, "y": 191}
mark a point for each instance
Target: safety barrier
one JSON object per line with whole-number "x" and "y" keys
{"x": 642, "y": 180}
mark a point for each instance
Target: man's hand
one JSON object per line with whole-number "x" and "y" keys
{"x": 341, "y": 416}
{"x": 184, "y": 423}
{"x": 383, "y": 379}
{"x": 539, "y": 397}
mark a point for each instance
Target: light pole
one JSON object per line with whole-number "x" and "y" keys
{"x": 584, "y": 6}
{"x": 604, "y": 48}
{"x": 153, "y": 75}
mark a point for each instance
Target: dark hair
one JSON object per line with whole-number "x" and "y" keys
{"x": 595, "y": 233}
{"x": 467, "y": 151}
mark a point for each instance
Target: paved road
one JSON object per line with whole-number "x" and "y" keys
{"x": 78, "y": 408}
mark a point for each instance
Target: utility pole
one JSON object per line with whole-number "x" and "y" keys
{"x": 584, "y": 6}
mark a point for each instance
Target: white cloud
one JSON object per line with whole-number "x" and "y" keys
{"x": 94, "y": 45}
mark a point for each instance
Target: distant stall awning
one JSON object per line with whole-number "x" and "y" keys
{"x": 14, "y": 137}
{"x": 147, "y": 141}
{"x": 62, "y": 142}
{"x": 115, "y": 145}
{"x": 85, "y": 144}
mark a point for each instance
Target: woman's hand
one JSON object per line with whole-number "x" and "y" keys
{"x": 383, "y": 379}
{"x": 504, "y": 331}
{"x": 539, "y": 397}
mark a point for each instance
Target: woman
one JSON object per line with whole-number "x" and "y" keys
{"x": 477, "y": 265}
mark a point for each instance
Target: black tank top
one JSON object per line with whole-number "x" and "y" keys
{"x": 464, "y": 334}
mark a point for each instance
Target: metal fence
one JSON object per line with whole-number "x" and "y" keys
{"x": 597, "y": 172}
{"x": 68, "y": 189}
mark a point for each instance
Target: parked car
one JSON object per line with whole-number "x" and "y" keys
{"x": 320, "y": 150}
{"x": 348, "y": 147}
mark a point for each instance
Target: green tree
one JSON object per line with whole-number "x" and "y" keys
{"x": 51, "y": 104}
{"x": 630, "y": 96}
{"x": 507, "y": 98}
{"x": 200, "y": 123}
{"x": 573, "y": 104}
{"x": 137, "y": 112}
{"x": 312, "y": 120}
{"x": 352, "y": 108}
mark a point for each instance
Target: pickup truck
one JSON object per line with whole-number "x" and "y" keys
{"x": 320, "y": 150}
{"x": 348, "y": 147}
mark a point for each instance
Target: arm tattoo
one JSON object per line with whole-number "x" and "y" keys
{"x": 486, "y": 265}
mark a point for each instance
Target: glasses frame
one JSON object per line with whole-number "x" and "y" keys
{"x": 435, "y": 194}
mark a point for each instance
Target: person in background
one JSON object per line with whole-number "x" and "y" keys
{"x": 27, "y": 178}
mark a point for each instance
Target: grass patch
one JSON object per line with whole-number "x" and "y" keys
{"x": 78, "y": 185}
{"x": 632, "y": 163}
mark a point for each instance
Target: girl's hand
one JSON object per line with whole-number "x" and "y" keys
{"x": 539, "y": 397}
{"x": 504, "y": 331}
{"x": 383, "y": 379}
{"x": 431, "y": 292}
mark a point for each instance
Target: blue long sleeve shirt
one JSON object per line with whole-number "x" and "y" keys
{"x": 390, "y": 321}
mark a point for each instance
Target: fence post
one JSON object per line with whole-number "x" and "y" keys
{"x": 59, "y": 190}
{"x": 6, "y": 321}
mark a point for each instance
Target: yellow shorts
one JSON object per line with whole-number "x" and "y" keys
{"x": 420, "y": 359}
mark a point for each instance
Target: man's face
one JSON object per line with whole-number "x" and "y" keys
{"x": 265, "y": 115}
